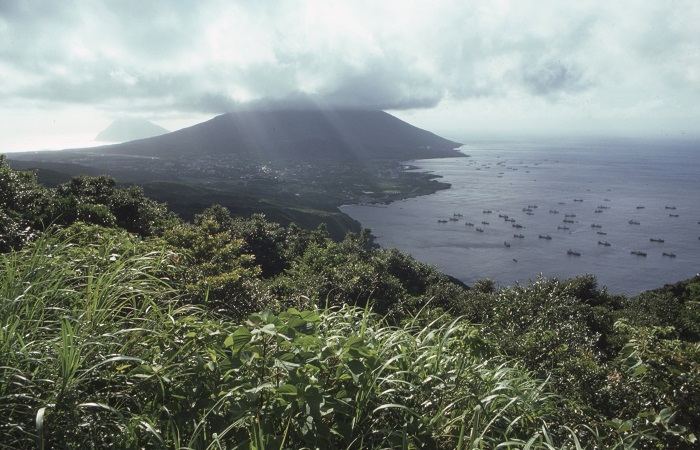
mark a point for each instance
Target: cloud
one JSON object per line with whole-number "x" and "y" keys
{"x": 210, "y": 57}
{"x": 552, "y": 78}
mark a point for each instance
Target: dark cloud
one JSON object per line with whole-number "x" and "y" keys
{"x": 553, "y": 78}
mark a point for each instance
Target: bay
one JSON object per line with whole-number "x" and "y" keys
{"x": 629, "y": 193}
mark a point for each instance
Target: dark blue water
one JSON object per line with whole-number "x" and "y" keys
{"x": 623, "y": 179}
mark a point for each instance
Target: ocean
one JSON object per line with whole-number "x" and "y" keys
{"x": 624, "y": 210}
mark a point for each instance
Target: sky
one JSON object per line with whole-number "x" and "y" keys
{"x": 458, "y": 68}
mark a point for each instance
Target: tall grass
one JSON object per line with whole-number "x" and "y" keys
{"x": 96, "y": 351}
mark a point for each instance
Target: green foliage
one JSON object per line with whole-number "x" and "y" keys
{"x": 21, "y": 201}
{"x": 213, "y": 268}
{"x": 97, "y": 354}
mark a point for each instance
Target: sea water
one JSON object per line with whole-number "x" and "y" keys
{"x": 624, "y": 192}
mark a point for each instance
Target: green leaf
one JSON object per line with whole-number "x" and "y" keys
{"x": 238, "y": 339}
{"x": 287, "y": 389}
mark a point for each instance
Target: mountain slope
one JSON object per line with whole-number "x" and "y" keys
{"x": 304, "y": 134}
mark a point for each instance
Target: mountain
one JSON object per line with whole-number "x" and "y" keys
{"x": 295, "y": 134}
{"x": 123, "y": 130}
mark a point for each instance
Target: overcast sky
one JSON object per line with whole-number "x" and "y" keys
{"x": 458, "y": 68}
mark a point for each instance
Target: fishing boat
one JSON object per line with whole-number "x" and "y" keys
{"x": 673, "y": 215}
{"x": 640, "y": 207}
{"x": 573, "y": 253}
{"x": 480, "y": 230}
{"x": 553, "y": 211}
{"x": 670, "y": 207}
{"x": 638, "y": 253}
{"x": 595, "y": 225}
{"x": 671, "y": 255}
{"x": 545, "y": 236}
{"x": 656, "y": 240}
{"x": 483, "y": 222}
{"x": 578, "y": 199}
{"x": 602, "y": 232}
{"x": 469, "y": 224}
{"x": 633, "y": 222}
{"x": 517, "y": 225}
{"x": 506, "y": 244}
{"x": 487, "y": 211}
{"x": 569, "y": 215}
{"x": 606, "y": 243}
{"x": 598, "y": 210}
{"x": 568, "y": 221}
{"x": 519, "y": 236}
{"x": 442, "y": 221}
{"x": 562, "y": 228}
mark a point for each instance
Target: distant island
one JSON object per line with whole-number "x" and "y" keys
{"x": 124, "y": 130}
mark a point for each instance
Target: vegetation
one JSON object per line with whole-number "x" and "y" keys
{"x": 123, "y": 326}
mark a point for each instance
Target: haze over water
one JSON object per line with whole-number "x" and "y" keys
{"x": 645, "y": 181}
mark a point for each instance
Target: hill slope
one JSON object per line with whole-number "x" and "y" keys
{"x": 295, "y": 134}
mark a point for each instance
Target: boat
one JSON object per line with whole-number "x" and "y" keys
{"x": 633, "y": 222}
{"x": 483, "y": 222}
{"x": 454, "y": 219}
{"x": 480, "y": 230}
{"x": 569, "y": 215}
{"x": 673, "y": 215}
{"x": 568, "y": 221}
{"x": 469, "y": 224}
{"x": 638, "y": 253}
{"x": 546, "y": 236}
{"x": 532, "y": 206}
{"x": 603, "y": 206}
{"x": 519, "y": 236}
{"x": 457, "y": 215}
{"x": 573, "y": 253}
{"x": 553, "y": 211}
{"x": 442, "y": 221}
{"x": 656, "y": 240}
{"x": 671, "y": 255}
{"x": 578, "y": 199}
{"x": 510, "y": 220}
{"x": 595, "y": 225}
{"x": 606, "y": 243}
{"x": 502, "y": 215}
{"x": 487, "y": 211}
{"x": 527, "y": 209}
{"x": 562, "y": 228}
{"x": 506, "y": 244}
{"x": 517, "y": 225}
{"x": 529, "y": 213}
{"x": 640, "y": 207}
{"x": 670, "y": 207}
{"x": 602, "y": 232}
{"x": 598, "y": 210}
